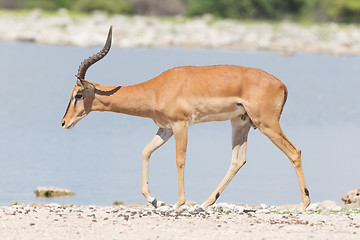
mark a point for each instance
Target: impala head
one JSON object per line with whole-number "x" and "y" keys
{"x": 83, "y": 94}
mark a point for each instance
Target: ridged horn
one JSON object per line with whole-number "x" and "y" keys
{"x": 96, "y": 57}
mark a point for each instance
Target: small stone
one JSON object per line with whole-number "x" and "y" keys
{"x": 313, "y": 206}
{"x": 52, "y": 192}
{"x": 164, "y": 208}
{"x": 264, "y": 211}
{"x": 9, "y": 211}
{"x": 251, "y": 214}
{"x": 329, "y": 205}
{"x": 239, "y": 209}
{"x": 14, "y": 204}
{"x": 263, "y": 205}
{"x": 352, "y": 196}
{"x": 225, "y": 207}
{"x": 54, "y": 205}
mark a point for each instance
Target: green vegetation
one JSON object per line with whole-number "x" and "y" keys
{"x": 346, "y": 11}
{"x": 317, "y": 211}
{"x": 303, "y": 10}
{"x": 117, "y": 203}
{"x": 110, "y": 6}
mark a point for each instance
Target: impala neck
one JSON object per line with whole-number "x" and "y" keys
{"x": 132, "y": 100}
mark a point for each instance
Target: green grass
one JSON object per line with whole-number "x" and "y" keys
{"x": 325, "y": 28}
{"x": 25, "y": 12}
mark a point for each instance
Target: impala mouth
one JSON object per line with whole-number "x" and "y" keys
{"x": 63, "y": 124}
{"x": 70, "y": 126}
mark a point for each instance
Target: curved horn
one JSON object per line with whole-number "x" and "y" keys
{"x": 96, "y": 57}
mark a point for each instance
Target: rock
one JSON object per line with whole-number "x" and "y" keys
{"x": 352, "y": 196}
{"x": 164, "y": 208}
{"x": 54, "y": 205}
{"x": 196, "y": 209}
{"x": 262, "y": 210}
{"x": 313, "y": 207}
{"x": 13, "y": 204}
{"x": 224, "y": 207}
{"x": 263, "y": 205}
{"x": 329, "y": 205}
{"x": 351, "y": 205}
{"x": 239, "y": 209}
{"x": 291, "y": 206}
{"x": 52, "y": 192}
{"x": 9, "y": 211}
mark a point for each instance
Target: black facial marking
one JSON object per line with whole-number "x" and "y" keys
{"x": 306, "y": 192}
{"x": 107, "y": 93}
{"x": 67, "y": 109}
{"x": 217, "y": 196}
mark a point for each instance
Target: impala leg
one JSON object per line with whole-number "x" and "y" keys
{"x": 180, "y": 130}
{"x": 276, "y": 135}
{"x": 240, "y": 130}
{"x": 161, "y": 137}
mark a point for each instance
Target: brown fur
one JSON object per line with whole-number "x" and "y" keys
{"x": 187, "y": 95}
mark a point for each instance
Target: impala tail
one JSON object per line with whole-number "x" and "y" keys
{"x": 83, "y": 93}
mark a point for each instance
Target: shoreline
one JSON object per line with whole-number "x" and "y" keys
{"x": 225, "y": 221}
{"x": 63, "y": 28}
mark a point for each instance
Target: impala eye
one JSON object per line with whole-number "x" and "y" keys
{"x": 79, "y": 96}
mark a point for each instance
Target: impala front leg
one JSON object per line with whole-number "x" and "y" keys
{"x": 180, "y": 130}
{"x": 161, "y": 137}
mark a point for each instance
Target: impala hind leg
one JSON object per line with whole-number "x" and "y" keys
{"x": 161, "y": 137}
{"x": 180, "y": 133}
{"x": 240, "y": 130}
{"x": 276, "y": 135}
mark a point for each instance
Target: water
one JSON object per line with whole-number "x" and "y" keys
{"x": 100, "y": 159}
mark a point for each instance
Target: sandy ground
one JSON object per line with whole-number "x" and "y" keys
{"x": 144, "y": 222}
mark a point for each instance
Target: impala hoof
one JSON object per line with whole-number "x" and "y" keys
{"x": 157, "y": 203}
{"x": 154, "y": 203}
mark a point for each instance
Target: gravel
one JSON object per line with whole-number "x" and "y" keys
{"x": 220, "y": 221}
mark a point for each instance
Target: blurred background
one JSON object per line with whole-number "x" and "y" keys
{"x": 314, "y": 10}
{"x": 313, "y": 46}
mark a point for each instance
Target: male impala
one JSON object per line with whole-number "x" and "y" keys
{"x": 183, "y": 96}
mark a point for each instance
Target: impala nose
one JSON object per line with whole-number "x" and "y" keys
{"x": 63, "y": 123}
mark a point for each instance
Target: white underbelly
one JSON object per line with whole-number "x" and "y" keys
{"x": 236, "y": 111}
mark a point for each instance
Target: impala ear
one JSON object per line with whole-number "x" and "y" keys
{"x": 79, "y": 82}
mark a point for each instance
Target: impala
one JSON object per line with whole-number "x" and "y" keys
{"x": 183, "y": 96}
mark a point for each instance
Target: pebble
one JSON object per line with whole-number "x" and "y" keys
{"x": 263, "y": 211}
{"x": 9, "y": 211}
{"x": 55, "y": 221}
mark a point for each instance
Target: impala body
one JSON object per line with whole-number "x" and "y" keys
{"x": 183, "y": 96}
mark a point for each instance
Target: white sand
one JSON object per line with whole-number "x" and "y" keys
{"x": 143, "y": 222}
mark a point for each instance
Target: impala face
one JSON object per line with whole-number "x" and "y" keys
{"x": 83, "y": 94}
{"x": 82, "y": 97}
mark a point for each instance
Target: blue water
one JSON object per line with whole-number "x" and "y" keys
{"x": 100, "y": 159}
